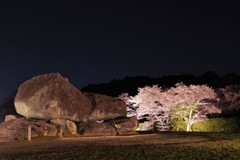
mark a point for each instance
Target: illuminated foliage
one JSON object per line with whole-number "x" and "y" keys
{"x": 146, "y": 106}
{"x": 231, "y": 124}
{"x": 193, "y": 103}
{"x": 181, "y": 105}
{"x": 131, "y": 109}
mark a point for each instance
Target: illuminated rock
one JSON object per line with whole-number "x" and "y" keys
{"x": 51, "y": 96}
{"x": 125, "y": 125}
{"x": 42, "y": 128}
{"x": 68, "y": 126}
{"x": 13, "y": 130}
{"x": 10, "y": 117}
{"x": 106, "y": 107}
{"x": 16, "y": 129}
{"x": 97, "y": 129}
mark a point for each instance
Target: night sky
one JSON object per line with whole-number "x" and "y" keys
{"x": 97, "y": 41}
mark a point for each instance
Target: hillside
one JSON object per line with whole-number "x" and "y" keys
{"x": 131, "y": 84}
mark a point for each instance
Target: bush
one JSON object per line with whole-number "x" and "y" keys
{"x": 218, "y": 125}
{"x": 178, "y": 123}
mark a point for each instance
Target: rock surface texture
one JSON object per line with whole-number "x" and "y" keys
{"x": 106, "y": 107}
{"x": 16, "y": 129}
{"x": 51, "y": 96}
{"x": 125, "y": 125}
{"x": 10, "y": 117}
{"x": 96, "y": 129}
{"x": 69, "y": 127}
{"x": 13, "y": 130}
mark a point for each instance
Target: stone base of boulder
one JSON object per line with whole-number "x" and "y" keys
{"x": 17, "y": 129}
{"x": 68, "y": 127}
{"x": 125, "y": 125}
{"x": 119, "y": 126}
{"x": 14, "y": 130}
{"x": 97, "y": 129}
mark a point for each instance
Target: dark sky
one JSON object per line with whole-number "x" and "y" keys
{"x": 97, "y": 41}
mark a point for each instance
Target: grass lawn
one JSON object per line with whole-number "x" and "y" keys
{"x": 145, "y": 146}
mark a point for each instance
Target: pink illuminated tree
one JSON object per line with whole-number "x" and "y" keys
{"x": 192, "y": 104}
{"x": 181, "y": 105}
{"x": 131, "y": 108}
{"x": 146, "y": 106}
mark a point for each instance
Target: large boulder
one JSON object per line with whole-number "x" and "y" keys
{"x": 51, "y": 96}
{"x": 96, "y": 129}
{"x": 106, "y": 107}
{"x": 69, "y": 127}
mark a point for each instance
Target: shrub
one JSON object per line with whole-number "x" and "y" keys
{"x": 218, "y": 125}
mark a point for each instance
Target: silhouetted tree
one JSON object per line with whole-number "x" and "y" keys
{"x": 229, "y": 99}
{"x": 7, "y": 106}
{"x": 130, "y": 85}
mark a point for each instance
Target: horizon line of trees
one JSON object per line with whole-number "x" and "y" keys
{"x": 130, "y": 85}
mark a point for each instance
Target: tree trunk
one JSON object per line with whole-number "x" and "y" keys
{"x": 189, "y": 124}
{"x": 189, "y": 127}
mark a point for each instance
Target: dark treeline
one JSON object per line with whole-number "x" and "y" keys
{"x": 7, "y": 106}
{"x": 131, "y": 84}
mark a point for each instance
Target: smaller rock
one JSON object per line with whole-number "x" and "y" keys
{"x": 125, "y": 125}
{"x": 10, "y": 117}
{"x": 97, "y": 129}
{"x": 17, "y": 129}
{"x": 44, "y": 130}
{"x": 37, "y": 122}
{"x": 68, "y": 126}
{"x": 130, "y": 125}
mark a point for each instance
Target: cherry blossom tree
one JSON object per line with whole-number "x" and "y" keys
{"x": 146, "y": 106}
{"x": 131, "y": 108}
{"x": 192, "y": 104}
{"x": 183, "y": 105}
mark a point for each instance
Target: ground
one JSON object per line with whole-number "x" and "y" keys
{"x": 143, "y": 146}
